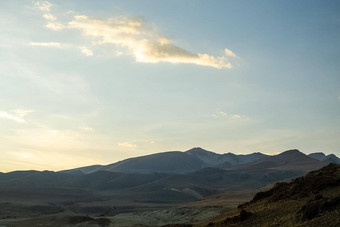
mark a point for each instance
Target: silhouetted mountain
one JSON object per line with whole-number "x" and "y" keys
{"x": 207, "y": 157}
{"x": 198, "y": 158}
{"x": 186, "y": 175}
{"x": 83, "y": 170}
{"x": 214, "y": 159}
{"x": 167, "y": 162}
{"x": 318, "y": 155}
{"x": 243, "y": 159}
{"x": 331, "y": 158}
{"x": 288, "y": 160}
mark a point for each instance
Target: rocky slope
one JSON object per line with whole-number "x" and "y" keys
{"x": 311, "y": 200}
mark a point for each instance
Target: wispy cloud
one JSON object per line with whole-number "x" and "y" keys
{"x": 220, "y": 114}
{"x": 49, "y": 16}
{"x": 238, "y": 116}
{"x": 223, "y": 115}
{"x": 44, "y": 6}
{"x": 86, "y": 51}
{"x": 127, "y": 144}
{"x": 46, "y": 44}
{"x": 55, "y": 26}
{"x": 15, "y": 115}
{"x": 134, "y": 36}
{"x": 85, "y": 128}
{"x": 229, "y": 53}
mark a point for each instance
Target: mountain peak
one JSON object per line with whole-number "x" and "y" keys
{"x": 198, "y": 150}
{"x": 318, "y": 155}
{"x": 292, "y": 152}
{"x": 293, "y": 155}
{"x": 331, "y": 158}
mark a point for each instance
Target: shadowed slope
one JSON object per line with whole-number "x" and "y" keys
{"x": 311, "y": 200}
{"x": 167, "y": 162}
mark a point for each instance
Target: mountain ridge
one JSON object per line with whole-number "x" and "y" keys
{"x": 188, "y": 175}
{"x": 182, "y": 162}
{"x": 146, "y": 181}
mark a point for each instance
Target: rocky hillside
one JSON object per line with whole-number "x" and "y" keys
{"x": 311, "y": 200}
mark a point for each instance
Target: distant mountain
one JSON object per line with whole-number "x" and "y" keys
{"x": 198, "y": 158}
{"x": 331, "y": 158}
{"x": 214, "y": 159}
{"x": 167, "y": 162}
{"x": 173, "y": 177}
{"x": 83, "y": 170}
{"x": 318, "y": 156}
{"x": 294, "y": 159}
{"x": 288, "y": 160}
{"x": 243, "y": 159}
{"x": 207, "y": 157}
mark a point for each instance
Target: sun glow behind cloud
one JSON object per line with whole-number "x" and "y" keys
{"x": 135, "y": 37}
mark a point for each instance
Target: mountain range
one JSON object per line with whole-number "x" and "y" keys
{"x": 198, "y": 158}
{"x": 150, "y": 182}
{"x": 176, "y": 177}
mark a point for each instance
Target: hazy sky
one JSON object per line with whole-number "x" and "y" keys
{"x": 87, "y": 82}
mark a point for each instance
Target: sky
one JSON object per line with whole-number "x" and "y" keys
{"x": 94, "y": 82}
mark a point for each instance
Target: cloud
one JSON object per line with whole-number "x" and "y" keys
{"x": 220, "y": 114}
{"x": 47, "y": 44}
{"x": 238, "y": 116}
{"x": 137, "y": 38}
{"x": 15, "y": 115}
{"x": 49, "y": 16}
{"x": 43, "y": 6}
{"x": 127, "y": 144}
{"x": 10, "y": 117}
{"x": 55, "y": 26}
{"x": 86, "y": 51}
{"x": 142, "y": 41}
{"x": 223, "y": 115}
{"x": 229, "y": 53}
{"x": 85, "y": 128}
